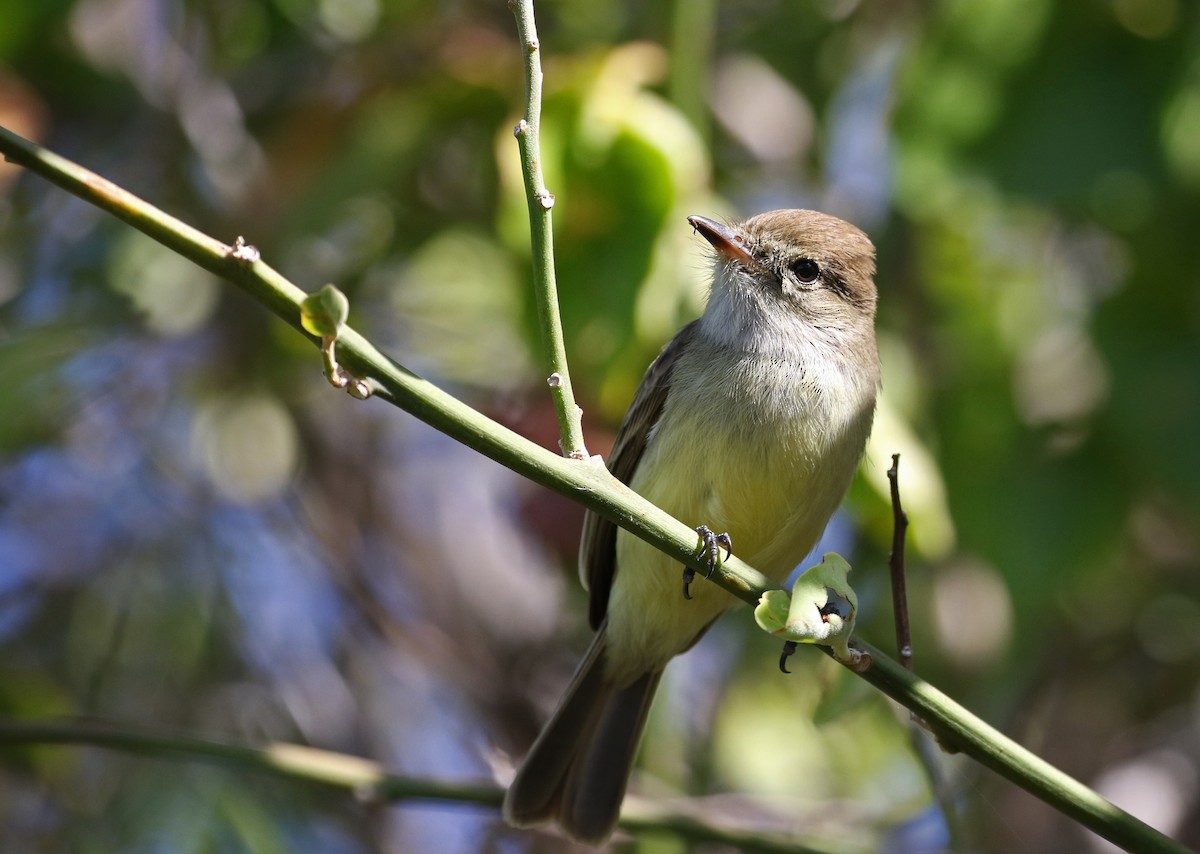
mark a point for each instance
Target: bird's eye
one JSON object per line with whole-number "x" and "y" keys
{"x": 807, "y": 270}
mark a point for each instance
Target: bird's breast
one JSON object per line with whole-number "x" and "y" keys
{"x": 761, "y": 451}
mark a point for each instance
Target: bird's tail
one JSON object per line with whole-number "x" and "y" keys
{"x": 577, "y": 770}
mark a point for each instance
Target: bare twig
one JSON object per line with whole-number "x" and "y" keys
{"x": 896, "y": 564}
{"x": 365, "y": 779}
{"x": 929, "y": 759}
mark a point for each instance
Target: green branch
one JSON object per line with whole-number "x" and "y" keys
{"x": 587, "y": 482}
{"x": 541, "y": 226}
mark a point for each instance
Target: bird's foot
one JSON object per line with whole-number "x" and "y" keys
{"x": 711, "y": 544}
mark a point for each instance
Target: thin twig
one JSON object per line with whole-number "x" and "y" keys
{"x": 929, "y": 759}
{"x": 896, "y": 564}
{"x": 541, "y": 204}
{"x": 365, "y": 779}
{"x": 590, "y": 485}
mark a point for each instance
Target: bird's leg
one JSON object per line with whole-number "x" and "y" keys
{"x": 710, "y": 543}
{"x": 689, "y": 575}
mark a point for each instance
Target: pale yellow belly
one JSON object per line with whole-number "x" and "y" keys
{"x": 774, "y": 505}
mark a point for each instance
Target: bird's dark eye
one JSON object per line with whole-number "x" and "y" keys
{"x": 807, "y": 270}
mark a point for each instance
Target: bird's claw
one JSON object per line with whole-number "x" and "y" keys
{"x": 710, "y": 544}
{"x": 789, "y": 647}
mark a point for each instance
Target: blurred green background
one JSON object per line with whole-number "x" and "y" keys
{"x": 196, "y": 532}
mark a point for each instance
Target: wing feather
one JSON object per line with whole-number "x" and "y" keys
{"x": 598, "y": 545}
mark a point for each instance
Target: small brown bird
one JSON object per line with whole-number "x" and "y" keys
{"x": 751, "y": 421}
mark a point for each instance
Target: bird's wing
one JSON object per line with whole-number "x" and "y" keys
{"x": 598, "y": 545}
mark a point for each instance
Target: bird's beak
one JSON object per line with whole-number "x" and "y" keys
{"x": 728, "y": 242}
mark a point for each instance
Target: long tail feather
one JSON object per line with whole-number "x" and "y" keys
{"x": 578, "y": 768}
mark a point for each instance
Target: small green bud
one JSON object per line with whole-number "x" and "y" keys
{"x": 325, "y": 312}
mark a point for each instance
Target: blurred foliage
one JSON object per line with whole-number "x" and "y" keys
{"x": 195, "y": 532}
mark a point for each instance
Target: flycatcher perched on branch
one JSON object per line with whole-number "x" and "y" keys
{"x": 751, "y": 421}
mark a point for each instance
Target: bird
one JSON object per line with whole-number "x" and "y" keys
{"x": 751, "y": 421}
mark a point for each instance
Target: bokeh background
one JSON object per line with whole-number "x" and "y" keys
{"x": 197, "y": 533}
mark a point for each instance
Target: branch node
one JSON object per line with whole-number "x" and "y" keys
{"x": 859, "y": 661}
{"x": 243, "y": 251}
{"x": 554, "y": 380}
{"x": 368, "y": 794}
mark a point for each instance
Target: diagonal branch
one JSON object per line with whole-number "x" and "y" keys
{"x": 587, "y": 482}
